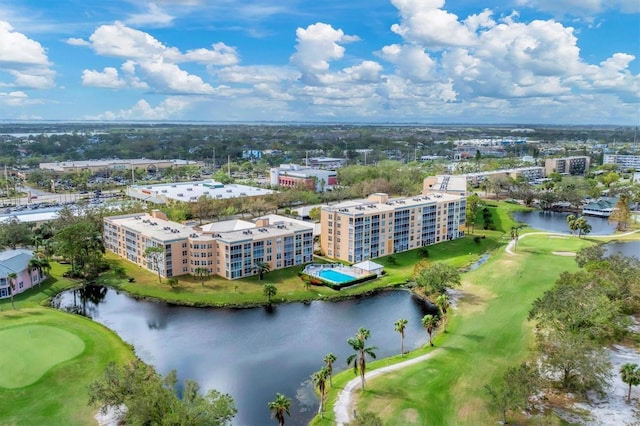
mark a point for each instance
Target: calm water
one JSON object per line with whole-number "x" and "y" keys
{"x": 631, "y": 248}
{"x": 253, "y": 353}
{"x": 557, "y": 222}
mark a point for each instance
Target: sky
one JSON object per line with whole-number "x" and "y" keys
{"x": 356, "y": 61}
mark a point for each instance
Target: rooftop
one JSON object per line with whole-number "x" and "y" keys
{"x": 191, "y": 191}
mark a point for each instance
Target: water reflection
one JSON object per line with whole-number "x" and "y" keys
{"x": 254, "y": 353}
{"x": 557, "y": 222}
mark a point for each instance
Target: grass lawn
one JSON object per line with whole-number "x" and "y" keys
{"x": 47, "y": 359}
{"x": 487, "y": 333}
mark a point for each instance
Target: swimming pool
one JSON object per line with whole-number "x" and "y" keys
{"x": 335, "y": 276}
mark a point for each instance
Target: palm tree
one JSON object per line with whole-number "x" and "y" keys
{"x": 430, "y": 322}
{"x": 261, "y": 268}
{"x": 202, "y": 273}
{"x": 39, "y": 264}
{"x": 155, "y": 254}
{"x": 442, "y": 302}
{"x": 358, "y": 359}
{"x": 269, "y": 290}
{"x": 630, "y": 374}
{"x": 329, "y": 359}
{"x": 279, "y": 407}
{"x": 399, "y": 327}
{"x": 319, "y": 380}
{"x": 12, "y": 277}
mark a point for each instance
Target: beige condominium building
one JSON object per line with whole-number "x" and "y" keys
{"x": 354, "y": 231}
{"x": 578, "y": 165}
{"x": 230, "y": 249}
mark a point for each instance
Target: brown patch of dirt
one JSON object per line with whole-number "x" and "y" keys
{"x": 410, "y": 417}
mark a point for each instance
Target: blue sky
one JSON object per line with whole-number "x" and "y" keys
{"x": 371, "y": 61}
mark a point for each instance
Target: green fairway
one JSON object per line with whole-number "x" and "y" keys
{"x": 32, "y": 351}
{"x": 487, "y": 333}
{"x": 47, "y": 359}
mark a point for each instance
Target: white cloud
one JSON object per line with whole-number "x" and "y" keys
{"x": 73, "y": 41}
{"x": 170, "y": 108}
{"x": 424, "y": 22}
{"x": 25, "y": 59}
{"x": 107, "y": 78}
{"x": 219, "y": 55}
{"x": 255, "y": 74}
{"x": 153, "y": 16}
{"x": 317, "y": 45}
{"x": 171, "y": 78}
{"x": 156, "y": 63}
{"x": 411, "y": 61}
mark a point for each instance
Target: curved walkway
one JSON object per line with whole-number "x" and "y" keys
{"x": 344, "y": 404}
{"x": 343, "y": 407}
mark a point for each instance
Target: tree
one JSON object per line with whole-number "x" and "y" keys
{"x": 630, "y": 374}
{"x": 358, "y": 359}
{"x": 319, "y": 380}
{"x": 14, "y": 233}
{"x": 261, "y": 268}
{"x": 39, "y": 264}
{"x": 514, "y": 390}
{"x": 202, "y": 208}
{"x": 576, "y": 364}
{"x": 621, "y": 213}
{"x": 155, "y": 255}
{"x": 314, "y": 214}
{"x": 329, "y": 359}
{"x": 80, "y": 241}
{"x": 583, "y": 226}
{"x": 578, "y": 303}
{"x": 473, "y": 205}
{"x": 437, "y": 278}
{"x": 571, "y": 222}
{"x": 279, "y": 407}
{"x": 12, "y": 277}
{"x": 151, "y": 399}
{"x": 202, "y": 273}
{"x": 430, "y": 323}
{"x": 443, "y": 302}
{"x": 399, "y": 327}
{"x": 269, "y": 290}
{"x": 515, "y": 234}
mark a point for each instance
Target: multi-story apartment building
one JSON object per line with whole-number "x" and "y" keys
{"x": 354, "y": 231}
{"x": 528, "y": 173}
{"x": 228, "y": 249}
{"x": 623, "y": 162}
{"x": 578, "y": 165}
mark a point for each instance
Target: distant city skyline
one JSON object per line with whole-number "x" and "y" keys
{"x": 376, "y": 61}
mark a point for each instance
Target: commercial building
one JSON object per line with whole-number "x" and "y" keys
{"x": 290, "y": 175}
{"x": 17, "y": 261}
{"x": 326, "y": 162}
{"x": 230, "y": 249}
{"x": 101, "y": 166}
{"x": 578, "y": 165}
{"x": 623, "y": 162}
{"x": 527, "y": 173}
{"x": 354, "y": 231}
{"x": 191, "y": 191}
{"x": 602, "y": 207}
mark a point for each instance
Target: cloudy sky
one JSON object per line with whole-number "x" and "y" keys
{"x": 428, "y": 61}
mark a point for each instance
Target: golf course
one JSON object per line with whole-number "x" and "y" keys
{"x": 47, "y": 359}
{"x": 487, "y": 332}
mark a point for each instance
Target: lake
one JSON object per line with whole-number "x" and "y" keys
{"x": 557, "y": 222}
{"x": 253, "y": 353}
